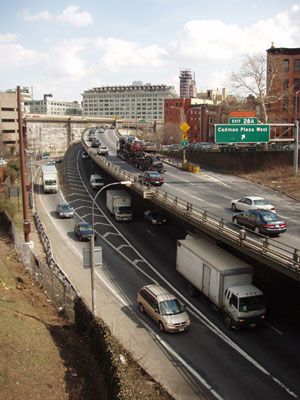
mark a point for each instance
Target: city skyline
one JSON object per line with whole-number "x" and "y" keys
{"x": 66, "y": 47}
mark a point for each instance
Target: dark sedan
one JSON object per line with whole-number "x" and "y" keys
{"x": 154, "y": 217}
{"x": 96, "y": 143}
{"x": 261, "y": 221}
{"x": 83, "y": 230}
{"x": 151, "y": 178}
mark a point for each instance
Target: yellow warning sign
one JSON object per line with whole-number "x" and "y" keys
{"x": 185, "y": 127}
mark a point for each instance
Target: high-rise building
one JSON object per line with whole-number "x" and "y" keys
{"x": 285, "y": 85}
{"x": 188, "y": 87}
{"x": 138, "y": 101}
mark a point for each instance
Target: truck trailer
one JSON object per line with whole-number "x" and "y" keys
{"x": 118, "y": 203}
{"x": 141, "y": 155}
{"x": 224, "y": 279}
{"x": 49, "y": 178}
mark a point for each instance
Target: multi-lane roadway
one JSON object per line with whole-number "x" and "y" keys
{"x": 208, "y": 361}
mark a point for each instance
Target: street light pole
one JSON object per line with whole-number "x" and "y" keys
{"x": 92, "y": 242}
{"x": 296, "y": 136}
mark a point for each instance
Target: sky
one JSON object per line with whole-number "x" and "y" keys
{"x": 65, "y": 47}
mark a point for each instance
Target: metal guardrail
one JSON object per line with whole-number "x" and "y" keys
{"x": 284, "y": 257}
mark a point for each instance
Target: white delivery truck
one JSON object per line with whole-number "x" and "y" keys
{"x": 49, "y": 178}
{"x": 119, "y": 204}
{"x": 223, "y": 278}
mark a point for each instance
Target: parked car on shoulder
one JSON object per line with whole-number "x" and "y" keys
{"x": 84, "y": 231}
{"x": 251, "y": 203}
{"x": 64, "y": 210}
{"x": 163, "y": 308}
{"x": 103, "y": 151}
{"x": 154, "y": 217}
{"x": 261, "y": 221}
{"x": 45, "y": 156}
{"x": 151, "y": 178}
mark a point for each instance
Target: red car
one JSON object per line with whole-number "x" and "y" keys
{"x": 151, "y": 178}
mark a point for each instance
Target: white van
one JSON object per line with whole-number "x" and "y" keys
{"x": 96, "y": 181}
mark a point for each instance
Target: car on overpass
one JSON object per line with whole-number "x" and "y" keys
{"x": 261, "y": 221}
{"x": 151, "y": 178}
{"x": 251, "y": 203}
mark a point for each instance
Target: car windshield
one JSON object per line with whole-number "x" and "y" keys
{"x": 251, "y": 303}
{"x": 65, "y": 207}
{"x": 171, "y": 307}
{"x": 98, "y": 180}
{"x": 270, "y": 217}
{"x": 260, "y": 202}
{"x": 154, "y": 175}
{"x": 85, "y": 228}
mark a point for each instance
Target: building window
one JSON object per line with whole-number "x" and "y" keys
{"x": 286, "y": 65}
{"x": 285, "y": 104}
{"x": 296, "y": 84}
{"x": 286, "y": 83}
{"x": 297, "y": 65}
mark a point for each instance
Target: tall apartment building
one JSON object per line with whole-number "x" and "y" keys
{"x": 137, "y": 101}
{"x": 286, "y": 88}
{"x": 187, "y": 84}
{"x": 52, "y": 107}
{"x": 9, "y": 125}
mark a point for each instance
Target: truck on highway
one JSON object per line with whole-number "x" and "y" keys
{"x": 49, "y": 178}
{"x": 142, "y": 155}
{"x": 223, "y": 278}
{"x": 118, "y": 203}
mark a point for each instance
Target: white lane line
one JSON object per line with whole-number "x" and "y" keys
{"x": 160, "y": 340}
{"x": 199, "y": 178}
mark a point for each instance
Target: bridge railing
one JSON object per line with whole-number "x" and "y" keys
{"x": 277, "y": 252}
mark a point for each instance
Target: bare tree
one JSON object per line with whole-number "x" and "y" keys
{"x": 261, "y": 78}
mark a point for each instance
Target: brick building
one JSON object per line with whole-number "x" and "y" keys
{"x": 286, "y": 86}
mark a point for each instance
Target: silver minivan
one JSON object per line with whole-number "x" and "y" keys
{"x": 163, "y": 308}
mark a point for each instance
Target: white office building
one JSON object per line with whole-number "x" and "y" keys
{"x": 49, "y": 106}
{"x": 138, "y": 101}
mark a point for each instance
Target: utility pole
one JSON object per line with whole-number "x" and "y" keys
{"x": 26, "y": 223}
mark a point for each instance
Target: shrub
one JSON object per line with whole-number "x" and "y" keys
{"x": 6, "y": 206}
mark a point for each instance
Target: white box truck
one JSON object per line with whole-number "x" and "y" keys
{"x": 49, "y": 178}
{"x": 118, "y": 203}
{"x": 223, "y": 278}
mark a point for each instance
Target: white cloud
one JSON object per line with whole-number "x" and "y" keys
{"x": 63, "y": 61}
{"x": 43, "y": 15}
{"x": 118, "y": 54}
{"x": 14, "y": 55}
{"x": 72, "y": 16}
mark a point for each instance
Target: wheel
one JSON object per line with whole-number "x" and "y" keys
{"x": 235, "y": 221}
{"x": 233, "y": 207}
{"x": 228, "y": 321}
{"x": 161, "y": 326}
{"x": 256, "y": 229}
{"x": 141, "y": 308}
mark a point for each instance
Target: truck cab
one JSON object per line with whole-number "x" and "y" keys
{"x": 244, "y": 306}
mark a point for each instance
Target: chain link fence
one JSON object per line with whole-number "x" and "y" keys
{"x": 50, "y": 277}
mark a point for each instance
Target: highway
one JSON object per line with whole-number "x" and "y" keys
{"x": 213, "y": 362}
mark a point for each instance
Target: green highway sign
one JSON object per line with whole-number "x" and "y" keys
{"x": 242, "y": 133}
{"x": 243, "y": 121}
{"x": 184, "y": 143}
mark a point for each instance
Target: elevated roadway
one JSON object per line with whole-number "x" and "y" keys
{"x": 273, "y": 253}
